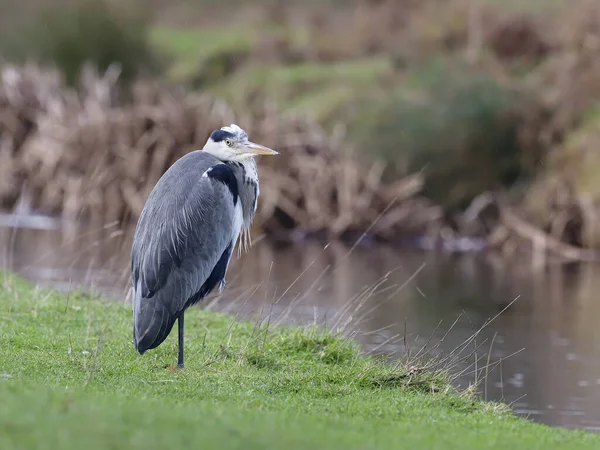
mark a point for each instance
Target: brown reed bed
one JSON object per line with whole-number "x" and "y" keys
{"x": 94, "y": 154}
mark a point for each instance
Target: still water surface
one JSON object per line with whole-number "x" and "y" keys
{"x": 545, "y": 347}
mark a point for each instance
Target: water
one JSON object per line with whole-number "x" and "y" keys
{"x": 545, "y": 346}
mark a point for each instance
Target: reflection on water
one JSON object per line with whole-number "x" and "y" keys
{"x": 549, "y": 336}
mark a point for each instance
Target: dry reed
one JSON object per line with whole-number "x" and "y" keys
{"x": 95, "y": 154}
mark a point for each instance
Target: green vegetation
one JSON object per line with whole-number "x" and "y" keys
{"x": 73, "y": 34}
{"x": 200, "y": 56}
{"x": 70, "y": 379}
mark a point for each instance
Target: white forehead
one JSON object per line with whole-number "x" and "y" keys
{"x": 238, "y": 131}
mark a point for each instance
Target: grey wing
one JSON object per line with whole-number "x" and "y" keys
{"x": 182, "y": 246}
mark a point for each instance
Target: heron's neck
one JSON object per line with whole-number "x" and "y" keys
{"x": 246, "y": 173}
{"x": 250, "y": 170}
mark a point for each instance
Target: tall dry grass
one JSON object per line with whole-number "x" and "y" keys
{"x": 95, "y": 154}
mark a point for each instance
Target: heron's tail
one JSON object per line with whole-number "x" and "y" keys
{"x": 152, "y": 322}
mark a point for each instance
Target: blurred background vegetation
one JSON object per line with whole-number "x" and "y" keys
{"x": 476, "y": 95}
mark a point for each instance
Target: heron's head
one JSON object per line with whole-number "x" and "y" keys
{"x": 231, "y": 144}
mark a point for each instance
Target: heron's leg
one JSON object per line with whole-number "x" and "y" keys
{"x": 180, "y": 356}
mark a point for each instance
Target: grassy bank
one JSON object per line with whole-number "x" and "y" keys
{"x": 70, "y": 378}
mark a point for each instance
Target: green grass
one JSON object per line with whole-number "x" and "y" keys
{"x": 329, "y": 91}
{"x": 191, "y": 50}
{"x": 70, "y": 379}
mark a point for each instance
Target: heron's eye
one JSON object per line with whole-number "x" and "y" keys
{"x": 228, "y": 142}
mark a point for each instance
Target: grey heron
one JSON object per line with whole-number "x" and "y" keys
{"x": 187, "y": 230}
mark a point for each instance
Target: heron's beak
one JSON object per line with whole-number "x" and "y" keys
{"x": 257, "y": 149}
